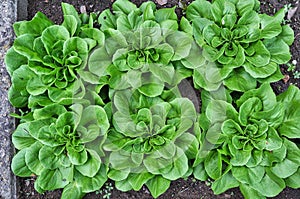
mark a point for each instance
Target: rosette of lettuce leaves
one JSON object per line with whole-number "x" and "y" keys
{"x": 141, "y": 42}
{"x": 46, "y": 60}
{"x": 245, "y": 46}
{"x": 63, "y": 148}
{"x": 250, "y": 146}
{"x": 152, "y": 140}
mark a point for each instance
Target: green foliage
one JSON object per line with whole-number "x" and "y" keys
{"x": 244, "y": 45}
{"x": 141, "y": 42}
{"x": 98, "y": 98}
{"x": 150, "y": 142}
{"x": 250, "y": 144}
{"x": 47, "y": 60}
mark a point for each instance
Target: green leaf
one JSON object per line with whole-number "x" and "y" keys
{"x": 121, "y": 161}
{"x": 123, "y": 7}
{"x": 165, "y": 14}
{"x": 293, "y": 180}
{"x": 285, "y": 168}
{"x": 261, "y": 56}
{"x": 279, "y": 51}
{"x": 196, "y": 9}
{"x": 99, "y": 61}
{"x": 249, "y": 192}
{"x": 54, "y": 34}
{"x": 48, "y": 158}
{"x": 94, "y": 119}
{"x": 247, "y": 175}
{"x": 189, "y": 144}
{"x": 240, "y": 157}
{"x": 219, "y": 111}
{"x": 244, "y": 6}
{"x": 18, "y": 165}
{"x": 14, "y": 60}
{"x": 107, "y": 20}
{"x": 199, "y": 172}
{"x": 264, "y": 92}
{"x": 270, "y": 185}
{"x": 270, "y": 26}
{"x": 51, "y": 180}
{"x": 91, "y": 167}
{"x": 24, "y": 46}
{"x": 182, "y": 49}
{"x": 152, "y": 86}
{"x": 68, "y": 9}
{"x": 92, "y": 184}
{"x": 137, "y": 180}
{"x": 94, "y": 34}
{"x": 287, "y": 35}
{"x": 72, "y": 190}
{"x": 158, "y": 185}
{"x": 35, "y": 27}
{"x": 21, "y": 137}
{"x": 32, "y": 160}
{"x": 290, "y": 127}
{"x": 261, "y": 72}
{"x": 225, "y": 182}
{"x": 123, "y": 185}
{"x": 35, "y": 86}
{"x": 77, "y": 158}
{"x": 70, "y": 23}
{"x": 180, "y": 166}
{"x": 213, "y": 165}
{"x": 194, "y": 59}
{"x": 273, "y": 141}
{"x": 118, "y": 175}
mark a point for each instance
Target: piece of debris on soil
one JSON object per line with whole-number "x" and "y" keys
{"x": 162, "y": 2}
{"x": 292, "y": 11}
{"x": 286, "y": 78}
{"x": 82, "y": 9}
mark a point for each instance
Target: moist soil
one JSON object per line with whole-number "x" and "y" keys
{"x": 182, "y": 188}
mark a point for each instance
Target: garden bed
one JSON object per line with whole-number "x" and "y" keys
{"x": 183, "y": 188}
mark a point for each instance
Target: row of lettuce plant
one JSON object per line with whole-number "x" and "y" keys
{"x": 98, "y": 99}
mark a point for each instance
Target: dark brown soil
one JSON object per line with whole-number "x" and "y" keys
{"x": 180, "y": 189}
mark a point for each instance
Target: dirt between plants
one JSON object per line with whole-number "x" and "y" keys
{"x": 182, "y": 188}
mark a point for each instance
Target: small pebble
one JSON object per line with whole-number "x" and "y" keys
{"x": 82, "y": 9}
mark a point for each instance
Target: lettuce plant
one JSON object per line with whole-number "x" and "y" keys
{"x": 244, "y": 45}
{"x": 151, "y": 142}
{"x": 140, "y": 46}
{"x": 250, "y": 146}
{"x": 47, "y": 60}
{"x": 63, "y": 148}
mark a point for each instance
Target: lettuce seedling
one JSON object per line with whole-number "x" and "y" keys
{"x": 244, "y": 45}
{"x": 250, "y": 146}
